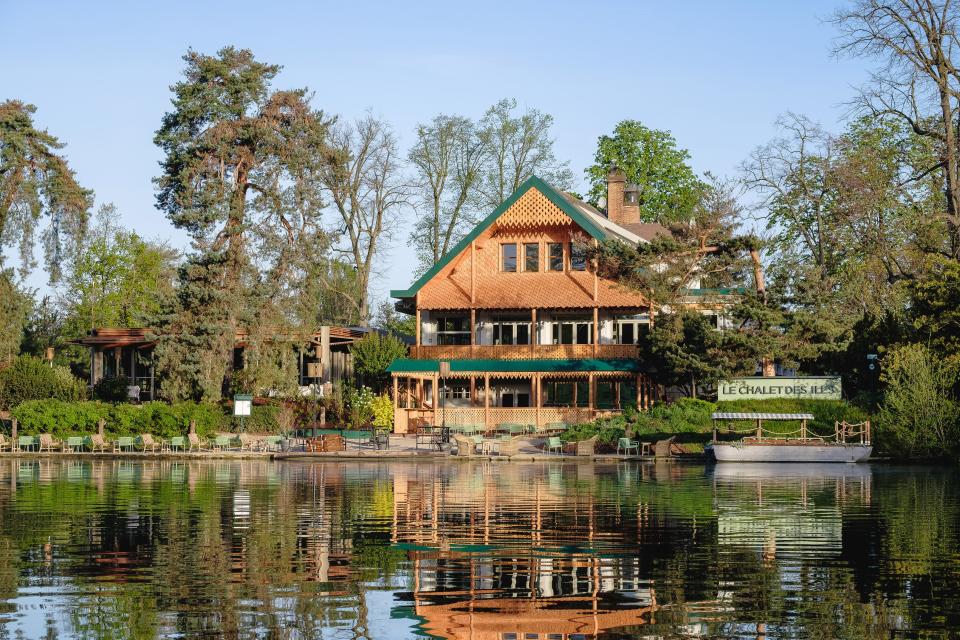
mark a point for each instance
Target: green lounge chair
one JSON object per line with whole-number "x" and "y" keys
{"x": 221, "y": 443}
{"x": 76, "y": 443}
{"x": 272, "y": 443}
{"x": 554, "y": 443}
{"x": 124, "y": 443}
{"x": 178, "y": 443}
{"x": 27, "y": 443}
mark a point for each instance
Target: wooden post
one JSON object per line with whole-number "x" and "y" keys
{"x": 396, "y": 392}
{"x": 866, "y": 428}
{"x": 436, "y": 398}
{"x": 533, "y": 331}
{"x": 486, "y": 401}
{"x": 535, "y": 383}
{"x": 14, "y": 440}
{"x": 616, "y": 395}
{"x": 575, "y": 386}
{"x": 418, "y": 333}
{"x": 473, "y": 391}
{"x": 473, "y": 272}
{"x": 759, "y": 430}
{"x": 591, "y": 395}
{"x": 803, "y": 429}
{"x": 639, "y": 392}
{"x": 473, "y": 331}
{"x": 596, "y": 331}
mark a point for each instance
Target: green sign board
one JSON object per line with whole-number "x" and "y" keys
{"x": 808, "y": 387}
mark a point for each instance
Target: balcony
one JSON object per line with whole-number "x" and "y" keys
{"x": 524, "y": 352}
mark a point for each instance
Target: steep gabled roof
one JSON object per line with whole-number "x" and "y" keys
{"x": 593, "y": 223}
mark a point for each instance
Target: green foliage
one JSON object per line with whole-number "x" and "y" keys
{"x": 359, "y": 405}
{"x": 669, "y": 188}
{"x": 382, "y": 408}
{"x": 37, "y": 183}
{"x": 112, "y": 389}
{"x": 263, "y": 419}
{"x": 935, "y": 307}
{"x": 920, "y": 413}
{"x": 64, "y": 419}
{"x": 30, "y": 378}
{"x": 373, "y": 353}
{"x": 15, "y": 306}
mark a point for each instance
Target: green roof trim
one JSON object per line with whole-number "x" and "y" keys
{"x": 533, "y": 182}
{"x": 547, "y": 365}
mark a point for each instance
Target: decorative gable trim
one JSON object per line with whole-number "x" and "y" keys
{"x": 532, "y": 182}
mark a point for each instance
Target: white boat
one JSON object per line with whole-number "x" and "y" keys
{"x": 801, "y": 446}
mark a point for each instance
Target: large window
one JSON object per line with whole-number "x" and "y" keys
{"x": 511, "y": 331}
{"x": 453, "y": 330}
{"x": 531, "y": 257}
{"x": 566, "y": 394}
{"x": 578, "y": 257}
{"x": 457, "y": 391}
{"x": 629, "y": 329}
{"x": 555, "y": 256}
{"x": 573, "y": 331}
{"x": 509, "y": 256}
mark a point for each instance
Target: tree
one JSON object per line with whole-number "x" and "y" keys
{"x": 447, "y": 158}
{"x": 372, "y": 354}
{"x": 918, "y": 81}
{"x": 367, "y": 190}
{"x": 389, "y": 320}
{"x": 15, "y": 305}
{"x": 241, "y": 174}
{"x": 516, "y": 147}
{"x": 668, "y": 187}
{"x": 37, "y": 183}
{"x": 935, "y": 308}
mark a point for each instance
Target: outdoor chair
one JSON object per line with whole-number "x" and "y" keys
{"x": 243, "y": 442}
{"x": 96, "y": 442}
{"x": 556, "y": 427}
{"x": 46, "y": 442}
{"x": 626, "y": 445}
{"x": 76, "y": 443}
{"x": 509, "y": 447}
{"x": 221, "y": 443}
{"x": 585, "y": 447}
{"x": 124, "y": 443}
{"x": 178, "y": 443}
{"x": 662, "y": 448}
{"x": 145, "y": 442}
{"x": 272, "y": 443}
{"x": 465, "y": 446}
{"x": 194, "y": 443}
{"x": 27, "y": 443}
{"x": 553, "y": 443}
{"x": 5, "y": 445}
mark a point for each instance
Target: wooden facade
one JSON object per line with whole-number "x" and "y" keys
{"x": 513, "y": 325}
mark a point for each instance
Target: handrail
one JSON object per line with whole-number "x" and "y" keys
{"x": 843, "y": 431}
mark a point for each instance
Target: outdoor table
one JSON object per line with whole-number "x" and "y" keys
{"x": 381, "y": 440}
{"x": 488, "y": 447}
{"x": 646, "y": 448}
{"x": 432, "y": 437}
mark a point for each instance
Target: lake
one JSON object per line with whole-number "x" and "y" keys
{"x": 104, "y": 548}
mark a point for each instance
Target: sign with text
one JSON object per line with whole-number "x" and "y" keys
{"x": 242, "y": 404}
{"x": 807, "y": 387}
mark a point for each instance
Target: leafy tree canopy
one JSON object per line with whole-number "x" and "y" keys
{"x": 668, "y": 187}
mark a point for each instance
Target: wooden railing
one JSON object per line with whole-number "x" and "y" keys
{"x": 523, "y": 352}
{"x": 490, "y": 418}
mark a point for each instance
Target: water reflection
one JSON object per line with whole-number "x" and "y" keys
{"x": 243, "y": 549}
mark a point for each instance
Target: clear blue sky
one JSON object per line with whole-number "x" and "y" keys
{"x": 716, "y": 74}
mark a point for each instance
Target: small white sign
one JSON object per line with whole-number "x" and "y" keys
{"x": 242, "y": 407}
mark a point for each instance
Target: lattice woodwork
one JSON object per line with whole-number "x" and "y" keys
{"x": 523, "y": 352}
{"x": 532, "y": 209}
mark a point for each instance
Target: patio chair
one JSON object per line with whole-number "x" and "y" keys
{"x": 221, "y": 443}
{"x": 97, "y": 442}
{"x": 5, "y": 445}
{"x": 76, "y": 443}
{"x": 194, "y": 443}
{"x": 46, "y": 442}
{"x": 509, "y": 447}
{"x": 556, "y": 427}
{"x": 553, "y": 443}
{"x": 662, "y": 448}
{"x": 585, "y": 447}
{"x": 245, "y": 442}
{"x": 272, "y": 443}
{"x": 465, "y": 446}
{"x": 626, "y": 444}
{"x": 145, "y": 442}
{"x": 124, "y": 443}
{"x": 27, "y": 443}
{"x": 178, "y": 443}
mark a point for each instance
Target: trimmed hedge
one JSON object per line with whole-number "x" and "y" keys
{"x": 30, "y": 378}
{"x": 62, "y": 419}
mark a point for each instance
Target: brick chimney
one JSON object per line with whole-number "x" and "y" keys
{"x": 622, "y": 207}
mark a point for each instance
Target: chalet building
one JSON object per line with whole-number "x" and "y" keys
{"x": 513, "y": 325}
{"x": 324, "y": 356}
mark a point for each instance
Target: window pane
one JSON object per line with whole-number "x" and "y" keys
{"x": 509, "y": 257}
{"x": 523, "y": 334}
{"x": 531, "y": 257}
{"x": 556, "y": 256}
{"x": 626, "y": 333}
{"x": 578, "y": 259}
{"x": 566, "y": 334}
{"x": 506, "y": 333}
{"x": 583, "y": 333}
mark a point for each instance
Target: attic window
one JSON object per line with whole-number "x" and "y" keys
{"x": 509, "y": 256}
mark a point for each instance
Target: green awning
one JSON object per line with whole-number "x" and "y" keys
{"x": 409, "y": 365}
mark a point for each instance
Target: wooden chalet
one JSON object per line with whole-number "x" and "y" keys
{"x": 514, "y": 325}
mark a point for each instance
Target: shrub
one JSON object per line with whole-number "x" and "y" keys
{"x": 262, "y": 419}
{"x": 383, "y": 412}
{"x": 919, "y": 414}
{"x": 113, "y": 389}
{"x": 59, "y": 418}
{"x": 373, "y": 353}
{"x": 30, "y": 378}
{"x": 359, "y": 407}
{"x": 64, "y": 419}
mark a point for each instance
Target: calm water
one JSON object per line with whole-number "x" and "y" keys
{"x": 112, "y": 549}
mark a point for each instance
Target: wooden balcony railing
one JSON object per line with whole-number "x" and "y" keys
{"x": 523, "y": 352}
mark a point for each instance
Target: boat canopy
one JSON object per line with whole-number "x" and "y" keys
{"x": 720, "y": 415}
